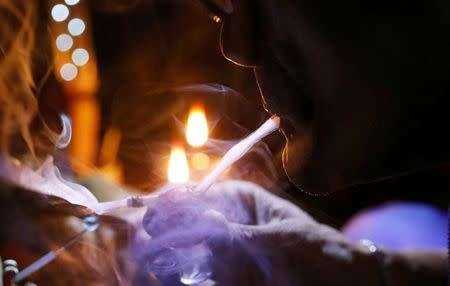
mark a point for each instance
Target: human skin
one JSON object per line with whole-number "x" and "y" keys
{"x": 362, "y": 88}
{"x": 270, "y": 241}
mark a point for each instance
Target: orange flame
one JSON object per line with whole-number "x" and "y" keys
{"x": 197, "y": 127}
{"x": 178, "y": 170}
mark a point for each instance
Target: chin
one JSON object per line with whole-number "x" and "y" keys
{"x": 296, "y": 154}
{"x": 283, "y": 96}
{"x": 307, "y": 172}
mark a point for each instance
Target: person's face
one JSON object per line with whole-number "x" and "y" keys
{"x": 348, "y": 80}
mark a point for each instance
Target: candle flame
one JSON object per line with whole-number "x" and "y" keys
{"x": 197, "y": 127}
{"x": 178, "y": 170}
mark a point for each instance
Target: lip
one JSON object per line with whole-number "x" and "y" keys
{"x": 292, "y": 123}
{"x": 275, "y": 78}
{"x": 288, "y": 128}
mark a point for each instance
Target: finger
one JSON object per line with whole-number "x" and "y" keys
{"x": 265, "y": 206}
{"x": 219, "y": 235}
{"x": 286, "y": 233}
{"x": 182, "y": 227}
{"x": 173, "y": 214}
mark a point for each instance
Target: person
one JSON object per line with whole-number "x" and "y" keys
{"x": 362, "y": 90}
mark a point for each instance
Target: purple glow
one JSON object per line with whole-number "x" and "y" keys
{"x": 400, "y": 225}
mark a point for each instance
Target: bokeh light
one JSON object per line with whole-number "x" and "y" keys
{"x": 178, "y": 171}
{"x": 60, "y": 12}
{"x": 68, "y": 71}
{"x": 72, "y": 2}
{"x": 76, "y": 27}
{"x": 200, "y": 161}
{"x": 80, "y": 56}
{"x": 64, "y": 42}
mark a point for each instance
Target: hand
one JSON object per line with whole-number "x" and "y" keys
{"x": 256, "y": 238}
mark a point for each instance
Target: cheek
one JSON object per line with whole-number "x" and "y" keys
{"x": 241, "y": 35}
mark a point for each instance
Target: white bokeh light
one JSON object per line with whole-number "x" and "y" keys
{"x": 80, "y": 57}
{"x": 68, "y": 72}
{"x": 64, "y": 42}
{"x": 76, "y": 27}
{"x": 72, "y": 2}
{"x": 60, "y": 12}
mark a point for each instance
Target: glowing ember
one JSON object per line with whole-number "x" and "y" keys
{"x": 197, "y": 127}
{"x": 178, "y": 171}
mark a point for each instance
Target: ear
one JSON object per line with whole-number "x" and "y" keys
{"x": 241, "y": 35}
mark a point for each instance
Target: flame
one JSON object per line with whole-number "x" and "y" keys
{"x": 178, "y": 171}
{"x": 197, "y": 127}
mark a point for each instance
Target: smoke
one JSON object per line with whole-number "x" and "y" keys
{"x": 147, "y": 137}
{"x": 174, "y": 246}
{"x": 19, "y": 108}
{"x": 196, "y": 231}
{"x": 177, "y": 244}
{"x": 27, "y": 235}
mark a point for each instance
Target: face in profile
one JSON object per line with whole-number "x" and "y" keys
{"x": 358, "y": 85}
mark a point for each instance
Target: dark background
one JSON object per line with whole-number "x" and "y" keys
{"x": 160, "y": 44}
{"x": 175, "y": 43}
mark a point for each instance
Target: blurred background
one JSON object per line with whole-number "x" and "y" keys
{"x": 128, "y": 73}
{"x": 124, "y": 100}
{"x": 142, "y": 53}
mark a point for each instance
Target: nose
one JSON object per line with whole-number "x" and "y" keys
{"x": 241, "y": 36}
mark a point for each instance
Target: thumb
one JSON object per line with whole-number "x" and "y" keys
{"x": 219, "y": 230}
